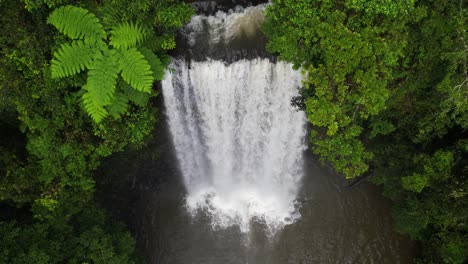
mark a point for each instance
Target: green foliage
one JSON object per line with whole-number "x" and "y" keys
{"x": 104, "y": 63}
{"x": 72, "y": 59}
{"x": 135, "y": 96}
{"x": 172, "y": 14}
{"x": 164, "y": 17}
{"x": 77, "y": 23}
{"x": 136, "y": 70}
{"x": 436, "y": 168}
{"x": 91, "y": 238}
{"x": 127, "y": 35}
{"x": 349, "y": 51}
{"x": 155, "y": 63}
{"x": 49, "y": 148}
{"x": 119, "y": 105}
{"x": 33, "y": 5}
{"x": 386, "y": 90}
{"x": 101, "y": 83}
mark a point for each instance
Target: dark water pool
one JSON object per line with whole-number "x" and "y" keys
{"x": 338, "y": 225}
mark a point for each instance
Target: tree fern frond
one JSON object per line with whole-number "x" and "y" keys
{"x": 71, "y": 59}
{"x": 102, "y": 79}
{"x": 158, "y": 43}
{"x": 118, "y": 106}
{"x": 135, "y": 96}
{"x": 152, "y": 42}
{"x": 94, "y": 108}
{"x": 77, "y": 23}
{"x": 111, "y": 14}
{"x": 156, "y": 65}
{"x": 136, "y": 70}
{"x": 127, "y": 35}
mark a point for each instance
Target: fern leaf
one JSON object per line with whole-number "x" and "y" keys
{"x": 94, "y": 108}
{"x": 137, "y": 97}
{"x": 71, "y": 59}
{"x": 156, "y": 65}
{"x": 77, "y": 23}
{"x": 111, "y": 15}
{"x": 118, "y": 106}
{"x": 136, "y": 70}
{"x": 127, "y": 35}
{"x": 158, "y": 43}
{"x": 102, "y": 80}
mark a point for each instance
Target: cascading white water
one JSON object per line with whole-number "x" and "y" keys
{"x": 238, "y": 140}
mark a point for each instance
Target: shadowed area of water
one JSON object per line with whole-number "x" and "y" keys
{"x": 338, "y": 225}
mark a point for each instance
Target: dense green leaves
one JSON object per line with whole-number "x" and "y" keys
{"x": 104, "y": 61}
{"x": 77, "y": 23}
{"x": 136, "y": 70}
{"x": 49, "y": 148}
{"x": 386, "y": 92}
{"x": 155, "y": 63}
{"x": 71, "y": 59}
{"x": 349, "y": 51}
{"x": 100, "y": 87}
{"x": 119, "y": 105}
{"x": 432, "y": 170}
{"x": 127, "y": 35}
{"x": 137, "y": 97}
{"x": 94, "y": 240}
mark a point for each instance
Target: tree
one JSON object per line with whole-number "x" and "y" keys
{"x": 123, "y": 56}
{"x": 49, "y": 148}
{"x": 386, "y": 92}
{"x": 350, "y": 51}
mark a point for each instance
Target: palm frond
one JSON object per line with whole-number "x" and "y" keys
{"x": 102, "y": 80}
{"x": 136, "y": 70}
{"x": 77, "y": 23}
{"x": 127, "y": 35}
{"x": 71, "y": 59}
{"x": 156, "y": 65}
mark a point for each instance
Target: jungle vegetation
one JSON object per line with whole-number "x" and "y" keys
{"x": 76, "y": 79}
{"x": 386, "y": 94}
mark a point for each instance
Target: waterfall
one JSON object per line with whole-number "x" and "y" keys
{"x": 238, "y": 140}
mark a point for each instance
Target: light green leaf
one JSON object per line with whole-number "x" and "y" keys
{"x": 77, "y": 23}
{"x": 156, "y": 65}
{"x": 71, "y": 59}
{"x": 102, "y": 80}
{"x": 136, "y": 70}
